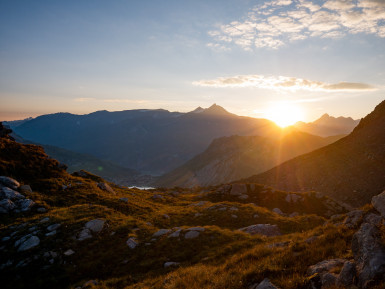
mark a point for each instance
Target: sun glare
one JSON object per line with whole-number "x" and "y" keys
{"x": 284, "y": 114}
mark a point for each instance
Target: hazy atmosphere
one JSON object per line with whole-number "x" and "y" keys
{"x": 248, "y": 56}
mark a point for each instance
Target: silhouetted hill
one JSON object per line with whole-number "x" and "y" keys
{"x": 351, "y": 170}
{"x": 149, "y": 141}
{"x": 328, "y": 125}
{"x": 231, "y": 158}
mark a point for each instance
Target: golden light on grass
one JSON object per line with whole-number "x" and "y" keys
{"x": 284, "y": 114}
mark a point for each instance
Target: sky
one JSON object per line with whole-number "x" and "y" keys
{"x": 251, "y": 57}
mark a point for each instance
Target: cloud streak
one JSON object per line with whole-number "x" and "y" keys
{"x": 276, "y": 23}
{"x": 282, "y": 83}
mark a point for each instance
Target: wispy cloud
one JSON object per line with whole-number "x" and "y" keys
{"x": 282, "y": 83}
{"x": 111, "y": 100}
{"x": 83, "y": 99}
{"x": 275, "y": 23}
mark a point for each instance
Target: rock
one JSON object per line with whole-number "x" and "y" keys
{"x": 353, "y": 219}
{"x": 278, "y": 211}
{"x": 325, "y": 266}
{"x": 6, "y": 206}
{"x": 234, "y": 209}
{"x": 278, "y": 245}
{"x": 132, "y": 243}
{"x": 378, "y": 203}
{"x": 124, "y": 200}
{"x": 90, "y": 283}
{"x": 191, "y": 234}
{"x": 265, "y": 284}
{"x": 311, "y": 239}
{"x": 328, "y": 280}
{"x": 293, "y": 198}
{"x": 166, "y": 216}
{"x": 199, "y": 229}
{"x": 9, "y": 182}
{"x": 319, "y": 195}
{"x": 175, "y": 234}
{"x": 5, "y": 239}
{"x": 347, "y": 274}
{"x": 106, "y": 187}
{"x": 84, "y": 234}
{"x": 51, "y": 233}
{"x": 25, "y": 189}
{"x": 373, "y": 219}
{"x": 11, "y": 194}
{"x": 69, "y": 252}
{"x": 369, "y": 255}
{"x": 294, "y": 214}
{"x": 157, "y": 197}
{"x": 41, "y": 210}
{"x": 44, "y": 220}
{"x": 238, "y": 189}
{"x": 53, "y": 227}
{"x": 234, "y": 216}
{"x": 262, "y": 229}
{"x": 29, "y": 243}
{"x": 243, "y": 197}
{"x": 161, "y": 232}
{"x": 95, "y": 225}
{"x": 170, "y": 264}
{"x": 25, "y": 205}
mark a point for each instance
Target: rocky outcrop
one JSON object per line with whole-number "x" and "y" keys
{"x": 369, "y": 255}
{"x": 10, "y": 199}
{"x": 262, "y": 229}
{"x": 378, "y": 203}
{"x": 106, "y": 187}
{"x": 265, "y": 284}
{"x": 93, "y": 226}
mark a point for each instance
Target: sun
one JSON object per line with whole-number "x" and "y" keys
{"x": 284, "y": 114}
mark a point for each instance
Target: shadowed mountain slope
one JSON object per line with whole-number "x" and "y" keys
{"x": 351, "y": 170}
{"x": 231, "y": 158}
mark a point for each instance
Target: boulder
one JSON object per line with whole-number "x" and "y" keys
{"x": 29, "y": 243}
{"x": 9, "y": 182}
{"x": 353, "y": 219}
{"x": 265, "y": 284}
{"x": 95, "y": 225}
{"x": 238, "y": 189}
{"x": 10, "y": 194}
{"x": 262, "y": 229}
{"x": 69, "y": 252}
{"x": 175, "y": 234}
{"x": 25, "y": 204}
{"x": 373, "y": 219}
{"x": 106, "y": 187}
{"x": 84, "y": 234}
{"x": 41, "y": 210}
{"x": 132, "y": 243}
{"x": 6, "y": 206}
{"x": 53, "y": 227}
{"x": 328, "y": 280}
{"x": 243, "y": 197}
{"x": 199, "y": 229}
{"x": 278, "y": 211}
{"x": 325, "y": 266}
{"x": 25, "y": 189}
{"x": 378, "y": 203}
{"x": 369, "y": 255}
{"x": 191, "y": 234}
{"x": 347, "y": 275}
{"x": 161, "y": 232}
{"x": 170, "y": 264}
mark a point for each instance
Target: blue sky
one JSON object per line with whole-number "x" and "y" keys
{"x": 248, "y": 56}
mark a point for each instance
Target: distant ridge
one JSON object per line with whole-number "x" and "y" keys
{"x": 351, "y": 170}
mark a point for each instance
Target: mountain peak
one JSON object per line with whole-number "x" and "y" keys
{"x": 216, "y": 110}
{"x": 376, "y": 117}
{"x": 198, "y": 110}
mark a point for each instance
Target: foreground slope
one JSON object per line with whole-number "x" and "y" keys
{"x": 351, "y": 170}
{"x": 231, "y": 158}
{"x": 149, "y": 141}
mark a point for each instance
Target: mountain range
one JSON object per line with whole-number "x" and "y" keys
{"x": 351, "y": 169}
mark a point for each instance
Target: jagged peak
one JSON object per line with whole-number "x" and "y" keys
{"x": 198, "y": 110}
{"x": 216, "y": 110}
{"x": 373, "y": 117}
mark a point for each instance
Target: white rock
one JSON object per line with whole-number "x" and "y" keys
{"x": 161, "y": 232}
{"x": 175, "y": 234}
{"x": 191, "y": 234}
{"x": 69, "y": 252}
{"x": 95, "y": 225}
{"x": 132, "y": 243}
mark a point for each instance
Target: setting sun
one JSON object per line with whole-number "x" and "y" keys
{"x": 284, "y": 114}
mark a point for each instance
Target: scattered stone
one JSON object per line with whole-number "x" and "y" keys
{"x": 69, "y": 252}
{"x": 191, "y": 234}
{"x": 243, "y": 197}
{"x": 278, "y": 245}
{"x": 311, "y": 239}
{"x": 84, "y": 234}
{"x": 132, "y": 243}
{"x": 255, "y": 216}
{"x": 161, "y": 232}
{"x": 31, "y": 229}
{"x": 373, "y": 219}
{"x": 106, "y": 187}
{"x": 9, "y": 182}
{"x": 325, "y": 266}
{"x": 6, "y": 206}
{"x": 52, "y": 233}
{"x": 262, "y": 229}
{"x": 170, "y": 264}
{"x": 90, "y": 283}
{"x": 378, "y": 203}
{"x": 278, "y": 211}
{"x": 328, "y": 280}
{"x": 238, "y": 189}
{"x": 5, "y": 239}
{"x": 53, "y": 227}
{"x": 29, "y": 243}
{"x": 293, "y": 198}
{"x": 166, "y": 216}
{"x": 44, "y": 220}
{"x": 294, "y": 214}
{"x": 25, "y": 204}
{"x": 25, "y": 189}
{"x": 353, "y": 219}
{"x": 199, "y": 204}
{"x": 157, "y": 197}
{"x": 198, "y": 229}
{"x": 234, "y": 216}
{"x": 347, "y": 274}
{"x": 175, "y": 234}
{"x": 198, "y": 215}
{"x": 95, "y": 225}
{"x": 369, "y": 255}
{"x": 234, "y": 209}
{"x": 41, "y": 210}
{"x": 265, "y": 284}
{"x": 124, "y": 200}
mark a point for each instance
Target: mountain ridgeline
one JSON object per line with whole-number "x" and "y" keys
{"x": 351, "y": 169}
{"x": 149, "y": 141}
{"x": 231, "y": 158}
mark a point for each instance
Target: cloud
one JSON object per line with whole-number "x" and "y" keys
{"x": 282, "y": 83}
{"x": 275, "y": 23}
{"x": 110, "y": 100}
{"x": 84, "y": 99}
